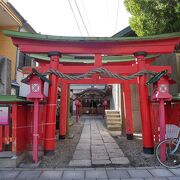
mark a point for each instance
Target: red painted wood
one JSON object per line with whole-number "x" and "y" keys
{"x": 40, "y": 124}
{"x": 63, "y": 108}
{"x": 50, "y": 124}
{"x": 146, "y": 123}
{"x": 162, "y": 128}
{"x": 1, "y": 138}
{"x": 14, "y": 125}
{"x": 128, "y": 108}
{"x": 29, "y": 126}
{"x": 77, "y": 104}
{"x": 6, "y": 134}
{"x": 159, "y": 46}
{"x": 35, "y": 131}
{"x": 99, "y": 81}
{"x": 119, "y": 69}
{"x": 155, "y": 118}
{"x": 44, "y": 119}
{"x": 21, "y": 128}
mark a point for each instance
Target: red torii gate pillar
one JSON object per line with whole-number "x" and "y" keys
{"x": 50, "y": 124}
{"x": 128, "y": 110}
{"x": 148, "y": 142}
{"x": 63, "y": 109}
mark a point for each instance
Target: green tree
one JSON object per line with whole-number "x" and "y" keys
{"x": 151, "y": 17}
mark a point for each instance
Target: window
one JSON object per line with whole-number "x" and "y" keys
{"x": 24, "y": 60}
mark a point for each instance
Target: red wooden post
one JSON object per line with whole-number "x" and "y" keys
{"x": 6, "y": 134}
{"x": 1, "y": 138}
{"x": 77, "y": 104}
{"x": 156, "y": 121}
{"x": 50, "y": 124}
{"x": 104, "y": 104}
{"x": 77, "y": 113}
{"x": 63, "y": 109}
{"x": 35, "y": 133}
{"x": 169, "y": 112}
{"x": 147, "y": 135}
{"x": 162, "y": 128}
{"x": 128, "y": 110}
{"x": 14, "y": 127}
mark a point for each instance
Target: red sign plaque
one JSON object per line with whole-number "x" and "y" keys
{"x": 4, "y": 115}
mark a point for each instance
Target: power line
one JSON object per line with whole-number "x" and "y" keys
{"x": 117, "y": 16}
{"x": 82, "y": 1}
{"x": 74, "y": 17}
{"x": 81, "y": 17}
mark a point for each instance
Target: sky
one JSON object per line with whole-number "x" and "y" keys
{"x": 93, "y": 18}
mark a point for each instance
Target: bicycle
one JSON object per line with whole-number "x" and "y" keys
{"x": 168, "y": 150}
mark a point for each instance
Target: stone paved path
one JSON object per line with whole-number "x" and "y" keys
{"x": 141, "y": 173}
{"x": 96, "y": 147}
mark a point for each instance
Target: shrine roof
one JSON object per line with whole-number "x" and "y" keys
{"x": 35, "y": 72}
{"x": 11, "y": 98}
{"x": 105, "y": 59}
{"x": 43, "y": 37}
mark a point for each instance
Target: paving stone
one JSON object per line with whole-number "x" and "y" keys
{"x": 29, "y": 174}
{"x": 51, "y": 174}
{"x": 115, "y": 174}
{"x": 84, "y": 141}
{"x": 73, "y": 175}
{"x": 101, "y": 162}
{"x": 120, "y": 160}
{"x": 115, "y": 155}
{"x": 95, "y": 147}
{"x": 108, "y": 140}
{"x": 175, "y": 171}
{"x": 99, "y": 157}
{"x": 97, "y": 142}
{"x": 98, "y": 138}
{"x": 80, "y": 163}
{"x": 85, "y": 137}
{"x": 139, "y": 173}
{"x": 160, "y": 172}
{"x": 9, "y": 174}
{"x": 111, "y": 145}
{"x": 114, "y": 150}
{"x": 81, "y": 151}
{"x": 156, "y": 178}
{"x": 132, "y": 179}
{"x": 83, "y": 146}
{"x": 82, "y": 156}
{"x": 174, "y": 178}
{"x": 99, "y": 154}
{"x": 96, "y": 174}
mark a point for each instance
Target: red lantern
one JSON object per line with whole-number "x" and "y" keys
{"x": 161, "y": 89}
{"x": 36, "y": 82}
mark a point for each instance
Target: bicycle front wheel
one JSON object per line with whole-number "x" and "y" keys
{"x": 164, "y": 153}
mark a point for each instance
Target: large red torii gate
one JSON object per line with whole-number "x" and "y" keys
{"x": 54, "y": 46}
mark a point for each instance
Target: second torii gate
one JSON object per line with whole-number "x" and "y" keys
{"x": 99, "y": 48}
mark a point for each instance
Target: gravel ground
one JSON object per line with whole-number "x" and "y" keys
{"x": 64, "y": 149}
{"x": 133, "y": 150}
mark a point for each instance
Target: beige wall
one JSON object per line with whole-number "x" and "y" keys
{"x": 7, "y": 49}
{"x": 172, "y": 60}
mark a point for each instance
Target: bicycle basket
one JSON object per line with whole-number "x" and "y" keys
{"x": 172, "y": 131}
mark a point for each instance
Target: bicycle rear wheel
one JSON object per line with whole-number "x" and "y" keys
{"x": 169, "y": 160}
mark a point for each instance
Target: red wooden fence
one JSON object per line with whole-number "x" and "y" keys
{"x": 172, "y": 116}
{"x": 18, "y": 134}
